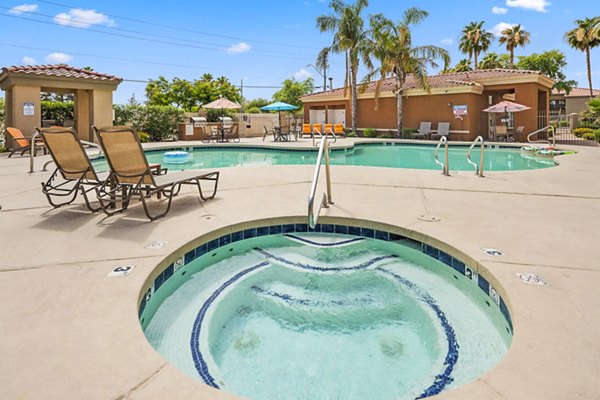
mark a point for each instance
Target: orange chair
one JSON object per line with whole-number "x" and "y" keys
{"x": 338, "y": 129}
{"x": 306, "y": 130}
{"x": 21, "y": 143}
{"x": 316, "y": 129}
{"x": 328, "y": 129}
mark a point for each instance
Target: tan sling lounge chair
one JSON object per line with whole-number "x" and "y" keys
{"x": 131, "y": 175}
{"x": 73, "y": 173}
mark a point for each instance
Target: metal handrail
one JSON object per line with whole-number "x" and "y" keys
{"x": 478, "y": 168}
{"x": 32, "y": 151}
{"x": 546, "y": 128}
{"x": 326, "y": 198}
{"x": 445, "y": 169}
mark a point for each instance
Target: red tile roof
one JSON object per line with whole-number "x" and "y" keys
{"x": 456, "y": 79}
{"x": 578, "y": 92}
{"x": 59, "y": 70}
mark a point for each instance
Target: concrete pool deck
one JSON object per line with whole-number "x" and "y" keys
{"x": 69, "y": 331}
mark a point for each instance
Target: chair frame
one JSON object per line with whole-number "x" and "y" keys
{"x": 123, "y": 187}
{"x": 65, "y": 183}
{"x": 16, "y": 136}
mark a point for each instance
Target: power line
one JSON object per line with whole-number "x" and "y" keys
{"x": 144, "y": 39}
{"x": 178, "y": 28}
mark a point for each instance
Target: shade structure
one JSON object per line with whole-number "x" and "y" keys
{"x": 279, "y": 106}
{"x": 222, "y": 103}
{"x": 506, "y": 107}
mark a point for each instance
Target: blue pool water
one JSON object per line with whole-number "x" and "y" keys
{"x": 375, "y": 155}
{"x": 325, "y": 316}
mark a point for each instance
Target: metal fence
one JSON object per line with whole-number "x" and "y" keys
{"x": 567, "y": 127}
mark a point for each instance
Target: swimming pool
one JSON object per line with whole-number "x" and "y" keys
{"x": 390, "y": 155}
{"x": 316, "y": 315}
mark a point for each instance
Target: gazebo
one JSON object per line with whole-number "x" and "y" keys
{"x": 93, "y": 95}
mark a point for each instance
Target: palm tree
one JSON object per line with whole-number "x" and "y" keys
{"x": 463, "y": 65}
{"x": 513, "y": 37}
{"x": 492, "y": 60}
{"x": 475, "y": 40}
{"x": 391, "y": 44}
{"x": 585, "y": 37}
{"x": 349, "y": 37}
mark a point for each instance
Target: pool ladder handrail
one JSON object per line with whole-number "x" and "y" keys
{"x": 546, "y": 128}
{"x": 478, "y": 168}
{"x": 445, "y": 166}
{"x": 326, "y": 198}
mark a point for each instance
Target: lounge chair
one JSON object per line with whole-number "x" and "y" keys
{"x": 73, "y": 173}
{"x": 316, "y": 130}
{"x": 131, "y": 175}
{"x": 338, "y": 130}
{"x": 423, "y": 131}
{"x": 233, "y": 133}
{"x": 306, "y": 130}
{"x": 443, "y": 129}
{"x": 20, "y": 142}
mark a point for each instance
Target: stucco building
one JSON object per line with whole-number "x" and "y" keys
{"x": 458, "y": 98}
{"x": 563, "y": 104}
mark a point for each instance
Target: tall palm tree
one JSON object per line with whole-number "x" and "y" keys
{"x": 349, "y": 37}
{"x": 463, "y": 65}
{"x": 475, "y": 40}
{"x": 585, "y": 37}
{"x": 493, "y": 60}
{"x": 514, "y": 37}
{"x": 391, "y": 44}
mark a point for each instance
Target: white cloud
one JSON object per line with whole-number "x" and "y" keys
{"x": 28, "y": 60}
{"x": 447, "y": 41}
{"x": 536, "y": 5}
{"x": 24, "y": 8}
{"x": 58, "y": 58}
{"x": 239, "y": 48}
{"x": 499, "y": 10}
{"x": 301, "y": 75}
{"x": 80, "y": 18}
{"x": 498, "y": 28}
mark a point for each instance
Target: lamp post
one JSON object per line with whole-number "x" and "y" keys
{"x": 323, "y": 74}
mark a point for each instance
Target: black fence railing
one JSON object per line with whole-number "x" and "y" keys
{"x": 576, "y": 128}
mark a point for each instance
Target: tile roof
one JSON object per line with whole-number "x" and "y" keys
{"x": 578, "y": 92}
{"x": 59, "y": 70}
{"x": 455, "y": 79}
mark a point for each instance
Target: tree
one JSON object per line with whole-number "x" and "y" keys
{"x": 550, "y": 63}
{"x": 392, "y": 45}
{"x": 187, "y": 95}
{"x": 255, "y": 104}
{"x": 475, "y": 40}
{"x": 292, "y": 90}
{"x": 514, "y": 37}
{"x": 585, "y": 37}
{"x": 350, "y": 38}
{"x": 493, "y": 60}
{"x": 463, "y": 65}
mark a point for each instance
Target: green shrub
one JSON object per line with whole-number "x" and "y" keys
{"x": 564, "y": 124}
{"x": 597, "y": 135}
{"x": 579, "y": 132}
{"x": 388, "y": 135}
{"x": 3, "y": 149}
{"x": 57, "y": 110}
{"x": 407, "y": 132}
{"x": 589, "y": 136}
{"x": 159, "y": 122}
{"x": 144, "y": 137}
{"x": 370, "y": 132}
{"x": 349, "y": 133}
{"x": 253, "y": 110}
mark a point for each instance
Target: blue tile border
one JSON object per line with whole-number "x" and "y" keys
{"x": 358, "y": 231}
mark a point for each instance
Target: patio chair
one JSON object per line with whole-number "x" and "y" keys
{"x": 443, "y": 129}
{"x": 338, "y": 130}
{"x": 205, "y": 136}
{"x": 233, "y": 133}
{"x": 516, "y": 133}
{"x": 74, "y": 171}
{"x": 21, "y": 143}
{"x": 268, "y": 132}
{"x": 501, "y": 133}
{"x": 423, "y": 131}
{"x": 131, "y": 175}
{"x": 306, "y": 130}
{"x": 492, "y": 133}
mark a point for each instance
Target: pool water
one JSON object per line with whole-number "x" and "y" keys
{"x": 326, "y": 316}
{"x": 383, "y": 155}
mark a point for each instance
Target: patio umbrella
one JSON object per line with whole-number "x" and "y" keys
{"x": 506, "y": 107}
{"x": 223, "y": 104}
{"x": 279, "y": 106}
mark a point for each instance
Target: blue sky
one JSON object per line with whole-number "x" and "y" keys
{"x": 261, "y": 42}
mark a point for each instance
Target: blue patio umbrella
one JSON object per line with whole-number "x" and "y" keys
{"x": 279, "y": 106}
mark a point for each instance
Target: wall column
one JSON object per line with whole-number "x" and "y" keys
{"x": 101, "y": 109}
{"x": 82, "y": 114}
{"x": 19, "y": 96}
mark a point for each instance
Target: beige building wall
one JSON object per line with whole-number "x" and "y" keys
{"x": 19, "y": 96}
{"x": 100, "y": 111}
